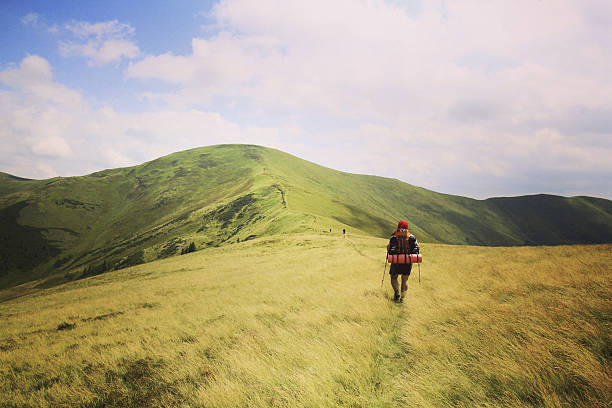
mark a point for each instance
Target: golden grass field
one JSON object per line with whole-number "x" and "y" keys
{"x": 301, "y": 321}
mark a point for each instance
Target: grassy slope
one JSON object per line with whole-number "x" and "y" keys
{"x": 144, "y": 212}
{"x": 79, "y": 226}
{"x": 300, "y": 321}
{"x": 372, "y": 204}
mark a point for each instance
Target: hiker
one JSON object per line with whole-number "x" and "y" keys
{"x": 401, "y": 242}
{"x": 344, "y": 232}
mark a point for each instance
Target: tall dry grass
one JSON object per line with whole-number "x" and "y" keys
{"x": 301, "y": 321}
{"x": 513, "y": 327}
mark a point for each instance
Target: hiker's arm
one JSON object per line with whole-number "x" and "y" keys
{"x": 414, "y": 244}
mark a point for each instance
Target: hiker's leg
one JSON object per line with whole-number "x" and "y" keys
{"x": 395, "y": 286}
{"x": 394, "y": 283}
{"x": 404, "y": 284}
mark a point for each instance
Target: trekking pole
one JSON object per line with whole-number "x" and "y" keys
{"x": 384, "y": 270}
{"x": 418, "y": 252}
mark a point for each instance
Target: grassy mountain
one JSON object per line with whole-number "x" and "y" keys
{"x": 74, "y": 227}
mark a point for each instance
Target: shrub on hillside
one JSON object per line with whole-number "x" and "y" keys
{"x": 190, "y": 248}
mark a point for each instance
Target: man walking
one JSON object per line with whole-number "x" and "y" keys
{"x": 401, "y": 242}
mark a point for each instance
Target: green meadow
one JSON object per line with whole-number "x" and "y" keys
{"x": 300, "y": 320}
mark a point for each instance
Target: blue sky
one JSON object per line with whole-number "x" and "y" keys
{"x": 160, "y": 28}
{"x": 470, "y": 98}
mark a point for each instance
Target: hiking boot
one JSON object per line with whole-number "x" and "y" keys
{"x": 401, "y": 300}
{"x": 396, "y": 298}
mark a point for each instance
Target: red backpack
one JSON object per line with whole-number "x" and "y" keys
{"x": 400, "y": 245}
{"x": 403, "y": 243}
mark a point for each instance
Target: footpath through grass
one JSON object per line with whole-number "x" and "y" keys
{"x": 300, "y": 321}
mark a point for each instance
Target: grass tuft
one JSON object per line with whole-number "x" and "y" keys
{"x": 66, "y": 326}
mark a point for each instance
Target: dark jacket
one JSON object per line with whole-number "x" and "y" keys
{"x": 397, "y": 245}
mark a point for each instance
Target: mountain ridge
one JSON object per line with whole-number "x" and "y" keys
{"x": 217, "y": 195}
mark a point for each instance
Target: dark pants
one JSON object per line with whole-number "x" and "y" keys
{"x": 400, "y": 269}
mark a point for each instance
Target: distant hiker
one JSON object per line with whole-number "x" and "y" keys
{"x": 344, "y": 232}
{"x": 401, "y": 242}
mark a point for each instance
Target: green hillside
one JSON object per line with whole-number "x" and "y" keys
{"x": 68, "y": 228}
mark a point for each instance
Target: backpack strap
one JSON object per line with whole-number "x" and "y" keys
{"x": 413, "y": 244}
{"x": 393, "y": 245}
{"x": 402, "y": 242}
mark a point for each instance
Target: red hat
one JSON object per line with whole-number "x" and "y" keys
{"x": 402, "y": 225}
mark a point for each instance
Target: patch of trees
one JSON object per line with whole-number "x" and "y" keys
{"x": 76, "y": 204}
{"x": 226, "y": 213}
{"x": 93, "y": 270}
{"x": 62, "y": 261}
{"x": 170, "y": 248}
{"x": 190, "y": 248}
{"x": 133, "y": 259}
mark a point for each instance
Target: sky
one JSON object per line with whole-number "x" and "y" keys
{"x": 475, "y": 98}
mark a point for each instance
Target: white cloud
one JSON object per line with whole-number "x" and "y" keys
{"x": 166, "y": 66}
{"x": 37, "y": 114}
{"x": 470, "y": 97}
{"x": 30, "y": 19}
{"x": 101, "y": 43}
{"x": 47, "y": 129}
{"x": 54, "y": 146}
{"x": 102, "y": 30}
{"x": 33, "y": 79}
{"x": 454, "y": 87}
{"x": 37, "y": 21}
{"x": 101, "y": 53}
{"x": 45, "y": 170}
{"x": 32, "y": 69}
{"x": 371, "y": 59}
